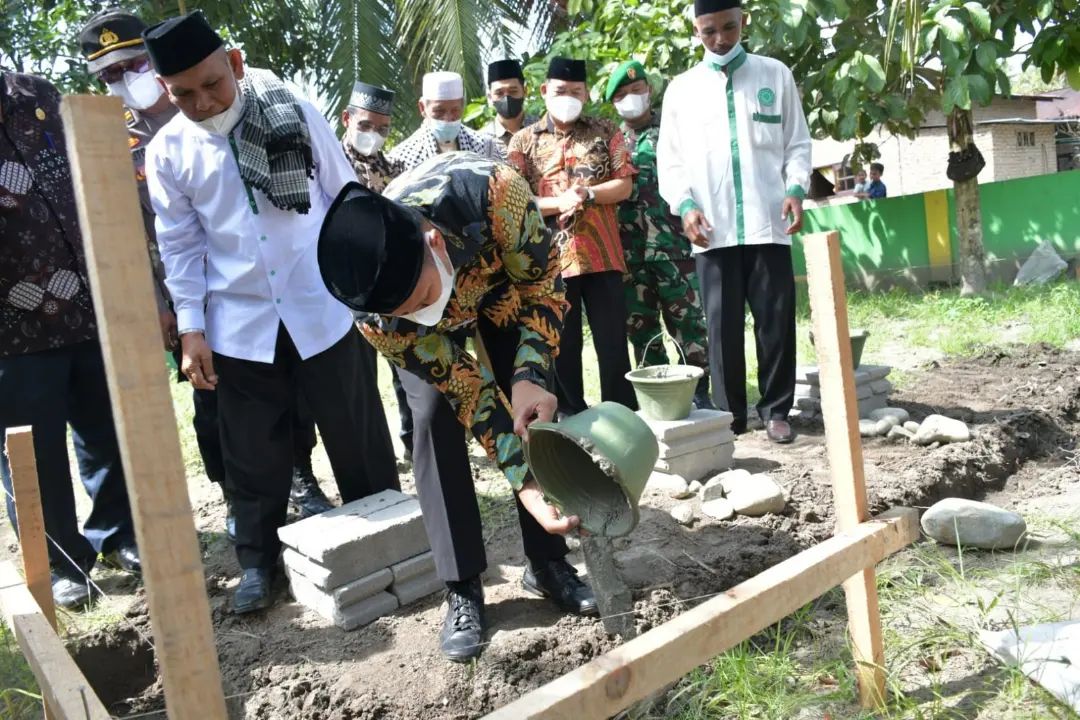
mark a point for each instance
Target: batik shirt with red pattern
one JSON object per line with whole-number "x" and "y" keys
{"x": 592, "y": 152}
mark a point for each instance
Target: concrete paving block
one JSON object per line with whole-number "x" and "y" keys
{"x": 347, "y": 618}
{"x": 303, "y": 535}
{"x": 702, "y": 442}
{"x": 811, "y": 404}
{"x": 700, "y": 422}
{"x": 413, "y": 567}
{"x": 419, "y": 587}
{"x": 322, "y": 577}
{"x": 695, "y": 466}
{"x": 351, "y": 592}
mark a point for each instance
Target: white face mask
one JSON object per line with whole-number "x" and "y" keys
{"x": 432, "y": 314}
{"x": 711, "y": 57}
{"x": 139, "y": 91}
{"x": 633, "y": 105}
{"x": 367, "y": 143}
{"x": 564, "y": 108}
{"x": 224, "y": 122}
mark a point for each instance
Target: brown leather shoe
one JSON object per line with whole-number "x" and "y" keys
{"x": 779, "y": 431}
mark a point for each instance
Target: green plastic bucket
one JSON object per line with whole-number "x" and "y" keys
{"x": 665, "y": 392}
{"x": 594, "y": 465}
{"x": 858, "y": 344}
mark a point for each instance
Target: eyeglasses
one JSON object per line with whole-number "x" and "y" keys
{"x": 115, "y": 72}
{"x": 364, "y": 126}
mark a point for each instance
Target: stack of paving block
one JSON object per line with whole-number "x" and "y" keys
{"x": 872, "y": 388}
{"x": 362, "y": 560}
{"x": 693, "y": 448}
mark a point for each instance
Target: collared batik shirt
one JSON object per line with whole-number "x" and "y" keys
{"x": 44, "y": 293}
{"x": 372, "y": 171}
{"x": 650, "y": 231}
{"x": 506, "y": 268}
{"x": 593, "y": 152}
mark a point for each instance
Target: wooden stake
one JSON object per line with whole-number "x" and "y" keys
{"x": 632, "y": 671}
{"x": 839, "y": 406}
{"x": 31, "y": 524}
{"x": 120, "y": 280}
{"x": 63, "y": 686}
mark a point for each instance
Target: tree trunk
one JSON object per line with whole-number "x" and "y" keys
{"x": 968, "y": 211}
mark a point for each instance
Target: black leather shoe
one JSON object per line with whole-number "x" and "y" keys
{"x": 558, "y": 580}
{"x": 71, "y": 593}
{"x": 253, "y": 592}
{"x": 779, "y": 431}
{"x": 306, "y": 495}
{"x": 462, "y": 636}
{"x": 230, "y": 524}
{"x": 126, "y": 557}
{"x": 702, "y": 401}
{"x": 738, "y": 426}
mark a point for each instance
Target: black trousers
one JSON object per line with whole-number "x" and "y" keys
{"x": 761, "y": 276}
{"x": 444, "y": 480}
{"x": 50, "y": 390}
{"x": 404, "y": 413}
{"x": 603, "y": 298}
{"x": 255, "y": 406}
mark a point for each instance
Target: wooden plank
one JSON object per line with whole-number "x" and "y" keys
{"x": 843, "y": 444}
{"x": 63, "y": 686}
{"x": 120, "y": 281}
{"x": 31, "y": 523}
{"x": 614, "y": 681}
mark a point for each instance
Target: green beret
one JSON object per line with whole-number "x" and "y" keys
{"x": 630, "y": 71}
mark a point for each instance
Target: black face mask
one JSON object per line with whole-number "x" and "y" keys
{"x": 509, "y": 107}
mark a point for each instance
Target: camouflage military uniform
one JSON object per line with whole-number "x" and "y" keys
{"x": 660, "y": 279}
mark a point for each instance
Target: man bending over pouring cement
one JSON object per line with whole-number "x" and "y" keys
{"x": 454, "y": 245}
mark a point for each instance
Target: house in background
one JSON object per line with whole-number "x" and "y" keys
{"x": 1063, "y": 108}
{"x": 1012, "y": 136}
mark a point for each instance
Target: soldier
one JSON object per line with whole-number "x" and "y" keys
{"x": 660, "y": 279}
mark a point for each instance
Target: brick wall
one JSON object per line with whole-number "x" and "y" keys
{"x": 1017, "y": 157}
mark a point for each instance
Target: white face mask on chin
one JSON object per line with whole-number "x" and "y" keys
{"x": 138, "y": 91}
{"x": 433, "y": 313}
{"x": 224, "y": 122}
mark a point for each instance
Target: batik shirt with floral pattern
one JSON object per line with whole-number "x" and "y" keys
{"x": 507, "y": 269}
{"x": 592, "y": 152}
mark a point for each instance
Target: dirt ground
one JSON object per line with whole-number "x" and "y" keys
{"x": 1023, "y": 404}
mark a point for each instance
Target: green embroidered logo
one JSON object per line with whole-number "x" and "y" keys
{"x": 766, "y": 96}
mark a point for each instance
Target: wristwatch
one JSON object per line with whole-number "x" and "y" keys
{"x": 591, "y": 196}
{"x": 532, "y": 375}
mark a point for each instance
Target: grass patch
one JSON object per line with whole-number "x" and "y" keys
{"x": 19, "y": 695}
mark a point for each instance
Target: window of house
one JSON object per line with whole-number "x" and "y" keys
{"x": 1025, "y": 139}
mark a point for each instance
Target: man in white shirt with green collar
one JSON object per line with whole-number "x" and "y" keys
{"x": 734, "y": 162}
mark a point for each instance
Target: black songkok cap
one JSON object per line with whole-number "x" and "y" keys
{"x": 566, "y": 69}
{"x": 371, "y": 250}
{"x": 372, "y": 98}
{"x": 505, "y": 70}
{"x": 704, "y": 7}
{"x": 180, "y": 43}
{"x": 111, "y": 36}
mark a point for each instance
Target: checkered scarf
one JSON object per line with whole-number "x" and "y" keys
{"x": 274, "y": 147}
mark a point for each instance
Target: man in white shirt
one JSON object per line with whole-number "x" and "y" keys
{"x": 734, "y": 162}
{"x": 240, "y": 182}
{"x": 441, "y": 105}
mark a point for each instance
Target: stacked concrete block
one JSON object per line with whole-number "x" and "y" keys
{"x": 872, "y": 389}
{"x": 695, "y": 447}
{"x": 362, "y": 560}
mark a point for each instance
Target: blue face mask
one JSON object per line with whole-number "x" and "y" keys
{"x": 445, "y": 130}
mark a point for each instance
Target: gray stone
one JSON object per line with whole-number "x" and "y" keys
{"x": 868, "y": 428}
{"x": 418, "y": 587}
{"x": 695, "y": 487}
{"x": 876, "y": 372}
{"x": 881, "y": 387}
{"x": 413, "y": 567}
{"x": 863, "y": 392}
{"x": 938, "y": 428}
{"x": 757, "y": 496}
{"x": 684, "y": 446}
{"x": 809, "y": 404}
{"x": 911, "y": 426}
{"x": 807, "y": 374}
{"x": 899, "y": 414}
{"x": 732, "y": 479}
{"x": 694, "y": 466}
{"x": 349, "y": 617}
{"x": 713, "y": 488}
{"x": 666, "y": 483}
{"x": 699, "y": 422}
{"x": 957, "y": 521}
{"x": 869, "y": 405}
{"x": 884, "y": 425}
{"x": 897, "y": 433}
{"x": 811, "y": 391}
{"x": 718, "y": 509}
{"x": 683, "y": 513}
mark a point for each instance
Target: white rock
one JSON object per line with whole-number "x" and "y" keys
{"x": 897, "y": 433}
{"x": 683, "y": 513}
{"x": 695, "y": 487}
{"x": 884, "y": 425}
{"x": 938, "y": 428}
{"x": 868, "y": 428}
{"x": 720, "y": 485}
{"x": 911, "y": 426}
{"x": 757, "y": 495}
{"x": 956, "y": 521}
{"x": 718, "y": 509}
{"x": 666, "y": 483}
{"x": 899, "y": 414}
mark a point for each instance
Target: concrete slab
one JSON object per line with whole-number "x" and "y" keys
{"x": 350, "y": 593}
{"x": 294, "y": 534}
{"x": 322, "y": 577}
{"x": 698, "y": 465}
{"x": 1049, "y": 654}
{"x": 413, "y": 567}
{"x": 348, "y": 618}
{"x": 696, "y": 444}
{"x": 418, "y": 587}
{"x": 700, "y": 422}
